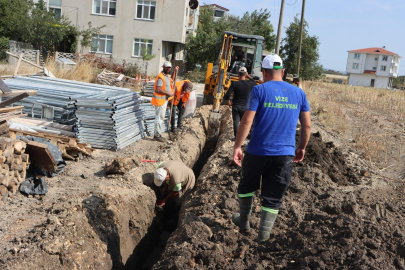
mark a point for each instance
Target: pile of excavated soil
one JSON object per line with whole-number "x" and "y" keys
{"x": 331, "y": 218}
{"x": 91, "y": 220}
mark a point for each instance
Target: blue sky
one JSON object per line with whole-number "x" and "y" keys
{"x": 341, "y": 25}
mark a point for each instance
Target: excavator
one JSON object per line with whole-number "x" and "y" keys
{"x": 218, "y": 78}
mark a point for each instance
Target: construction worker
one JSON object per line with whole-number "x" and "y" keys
{"x": 176, "y": 178}
{"x": 275, "y": 107}
{"x": 296, "y": 80}
{"x": 181, "y": 96}
{"x": 241, "y": 90}
{"x": 164, "y": 90}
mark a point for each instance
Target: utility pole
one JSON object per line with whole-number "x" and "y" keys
{"x": 300, "y": 40}
{"x": 280, "y": 26}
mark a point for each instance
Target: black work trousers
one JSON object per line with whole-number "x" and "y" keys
{"x": 180, "y": 117}
{"x": 237, "y": 114}
{"x": 275, "y": 173}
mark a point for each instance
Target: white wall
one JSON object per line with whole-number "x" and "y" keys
{"x": 170, "y": 24}
{"x": 386, "y": 63}
{"x": 365, "y": 80}
{"x": 351, "y": 60}
{"x": 361, "y": 79}
{"x": 371, "y": 63}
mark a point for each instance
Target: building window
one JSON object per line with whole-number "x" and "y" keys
{"x": 191, "y": 19}
{"x": 142, "y": 46}
{"x": 55, "y": 6}
{"x": 105, "y": 7}
{"x": 383, "y": 68}
{"x": 356, "y": 56}
{"x": 146, "y": 10}
{"x": 385, "y": 58}
{"x": 355, "y": 66}
{"x": 376, "y": 59}
{"x": 219, "y": 13}
{"x": 102, "y": 44}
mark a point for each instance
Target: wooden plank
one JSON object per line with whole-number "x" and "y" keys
{"x": 43, "y": 123}
{"x": 26, "y": 61}
{"x": 10, "y": 109}
{"x": 14, "y": 93}
{"x": 13, "y": 99}
{"x": 40, "y": 156}
{"x": 12, "y": 116}
{"x": 43, "y": 135}
{"x": 18, "y": 64}
{"x": 3, "y": 87}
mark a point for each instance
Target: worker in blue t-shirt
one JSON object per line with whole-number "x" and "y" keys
{"x": 275, "y": 106}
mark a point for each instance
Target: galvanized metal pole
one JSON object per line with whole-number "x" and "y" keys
{"x": 280, "y": 26}
{"x": 300, "y": 40}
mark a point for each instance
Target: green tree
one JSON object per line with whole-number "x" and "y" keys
{"x": 145, "y": 54}
{"x": 256, "y": 23}
{"x": 309, "y": 66}
{"x": 87, "y": 35}
{"x": 24, "y": 20}
{"x": 204, "y": 47}
{"x": 46, "y": 29}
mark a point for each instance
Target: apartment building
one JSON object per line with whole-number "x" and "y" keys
{"x": 158, "y": 26}
{"x": 375, "y": 67}
{"x": 219, "y": 11}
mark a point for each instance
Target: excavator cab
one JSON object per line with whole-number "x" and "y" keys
{"x": 240, "y": 51}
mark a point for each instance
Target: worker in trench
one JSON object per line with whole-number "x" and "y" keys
{"x": 181, "y": 96}
{"x": 271, "y": 152}
{"x": 176, "y": 180}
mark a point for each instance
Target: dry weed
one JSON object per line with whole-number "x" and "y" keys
{"x": 83, "y": 71}
{"x": 24, "y": 68}
{"x": 328, "y": 100}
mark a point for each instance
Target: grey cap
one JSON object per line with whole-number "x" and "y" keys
{"x": 167, "y": 64}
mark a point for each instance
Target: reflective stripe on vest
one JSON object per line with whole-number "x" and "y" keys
{"x": 159, "y": 99}
{"x": 179, "y": 86}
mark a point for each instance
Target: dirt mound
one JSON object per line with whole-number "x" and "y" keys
{"x": 331, "y": 218}
{"x": 92, "y": 220}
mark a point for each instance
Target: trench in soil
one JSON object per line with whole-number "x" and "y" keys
{"x": 151, "y": 247}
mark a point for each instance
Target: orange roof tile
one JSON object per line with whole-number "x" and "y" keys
{"x": 374, "y": 50}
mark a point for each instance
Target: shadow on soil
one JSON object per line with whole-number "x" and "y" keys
{"x": 103, "y": 224}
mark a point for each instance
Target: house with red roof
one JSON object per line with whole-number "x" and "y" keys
{"x": 375, "y": 67}
{"x": 219, "y": 11}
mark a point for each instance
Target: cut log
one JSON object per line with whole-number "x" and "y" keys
{"x": 12, "y": 134}
{"x": 40, "y": 156}
{"x": 4, "y": 131}
{"x": 12, "y": 116}
{"x": 2, "y": 160}
{"x": 5, "y": 179}
{"x": 19, "y": 147}
{"x": 3, "y": 191}
{"x": 25, "y": 157}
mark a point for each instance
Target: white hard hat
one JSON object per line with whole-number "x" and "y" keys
{"x": 167, "y": 64}
{"x": 160, "y": 176}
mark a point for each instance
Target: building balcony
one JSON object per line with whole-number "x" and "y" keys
{"x": 391, "y": 74}
{"x": 393, "y": 64}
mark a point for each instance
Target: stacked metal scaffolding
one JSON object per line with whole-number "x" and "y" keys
{"x": 109, "y": 123}
{"x": 55, "y": 95}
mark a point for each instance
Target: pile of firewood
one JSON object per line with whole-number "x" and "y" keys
{"x": 13, "y": 166}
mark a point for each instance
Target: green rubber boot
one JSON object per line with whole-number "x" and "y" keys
{"x": 266, "y": 224}
{"x": 242, "y": 219}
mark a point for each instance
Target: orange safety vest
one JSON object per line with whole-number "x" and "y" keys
{"x": 177, "y": 95}
{"x": 159, "y": 99}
